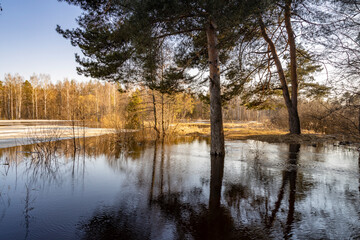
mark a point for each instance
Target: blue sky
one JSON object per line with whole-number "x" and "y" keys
{"x": 28, "y": 40}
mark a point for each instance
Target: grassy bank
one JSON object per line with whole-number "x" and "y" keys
{"x": 261, "y": 132}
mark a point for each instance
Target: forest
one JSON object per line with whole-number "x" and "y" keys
{"x": 199, "y": 119}
{"x": 106, "y": 104}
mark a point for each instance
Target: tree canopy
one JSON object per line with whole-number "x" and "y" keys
{"x": 120, "y": 40}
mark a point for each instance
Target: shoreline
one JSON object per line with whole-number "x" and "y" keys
{"x": 259, "y": 132}
{"x": 19, "y": 134}
{"x": 16, "y": 135}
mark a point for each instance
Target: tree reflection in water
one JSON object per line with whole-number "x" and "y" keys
{"x": 195, "y": 219}
{"x": 289, "y": 176}
{"x": 163, "y": 190}
{"x": 190, "y": 217}
{"x": 198, "y": 220}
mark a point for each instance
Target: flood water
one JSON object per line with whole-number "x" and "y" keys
{"x": 175, "y": 190}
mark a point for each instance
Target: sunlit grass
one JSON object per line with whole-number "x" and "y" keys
{"x": 231, "y": 130}
{"x": 257, "y": 131}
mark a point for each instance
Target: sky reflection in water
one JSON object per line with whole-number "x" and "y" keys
{"x": 175, "y": 190}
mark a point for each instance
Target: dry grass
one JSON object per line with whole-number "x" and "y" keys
{"x": 231, "y": 130}
{"x": 190, "y": 129}
{"x": 259, "y": 131}
{"x": 245, "y": 130}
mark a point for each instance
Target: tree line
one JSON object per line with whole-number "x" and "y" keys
{"x": 109, "y": 105}
{"x": 39, "y": 98}
{"x": 104, "y": 103}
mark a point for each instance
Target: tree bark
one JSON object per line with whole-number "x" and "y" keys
{"x": 359, "y": 120}
{"x": 216, "y": 121}
{"x": 290, "y": 102}
{"x": 294, "y": 119}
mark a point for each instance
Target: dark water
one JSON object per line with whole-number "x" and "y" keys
{"x": 177, "y": 191}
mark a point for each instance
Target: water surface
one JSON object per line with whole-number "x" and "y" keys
{"x": 106, "y": 189}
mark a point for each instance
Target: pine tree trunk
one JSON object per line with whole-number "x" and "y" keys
{"x": 290, "y": 102}
{"x": 216, "y": 121}
{"x": 359, "y": 121}
{"x": 294, "y": 121}
{"x": 294, "y": 117}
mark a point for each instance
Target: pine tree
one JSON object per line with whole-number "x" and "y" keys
{"x": 117, "y": 37}
{"x": 133, "y": 110}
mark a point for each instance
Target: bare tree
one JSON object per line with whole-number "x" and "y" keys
{"x": 34, "y": 80}
{"x": 45, "y": 83}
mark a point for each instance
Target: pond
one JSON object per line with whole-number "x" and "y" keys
{"x": 106, "y": 189}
